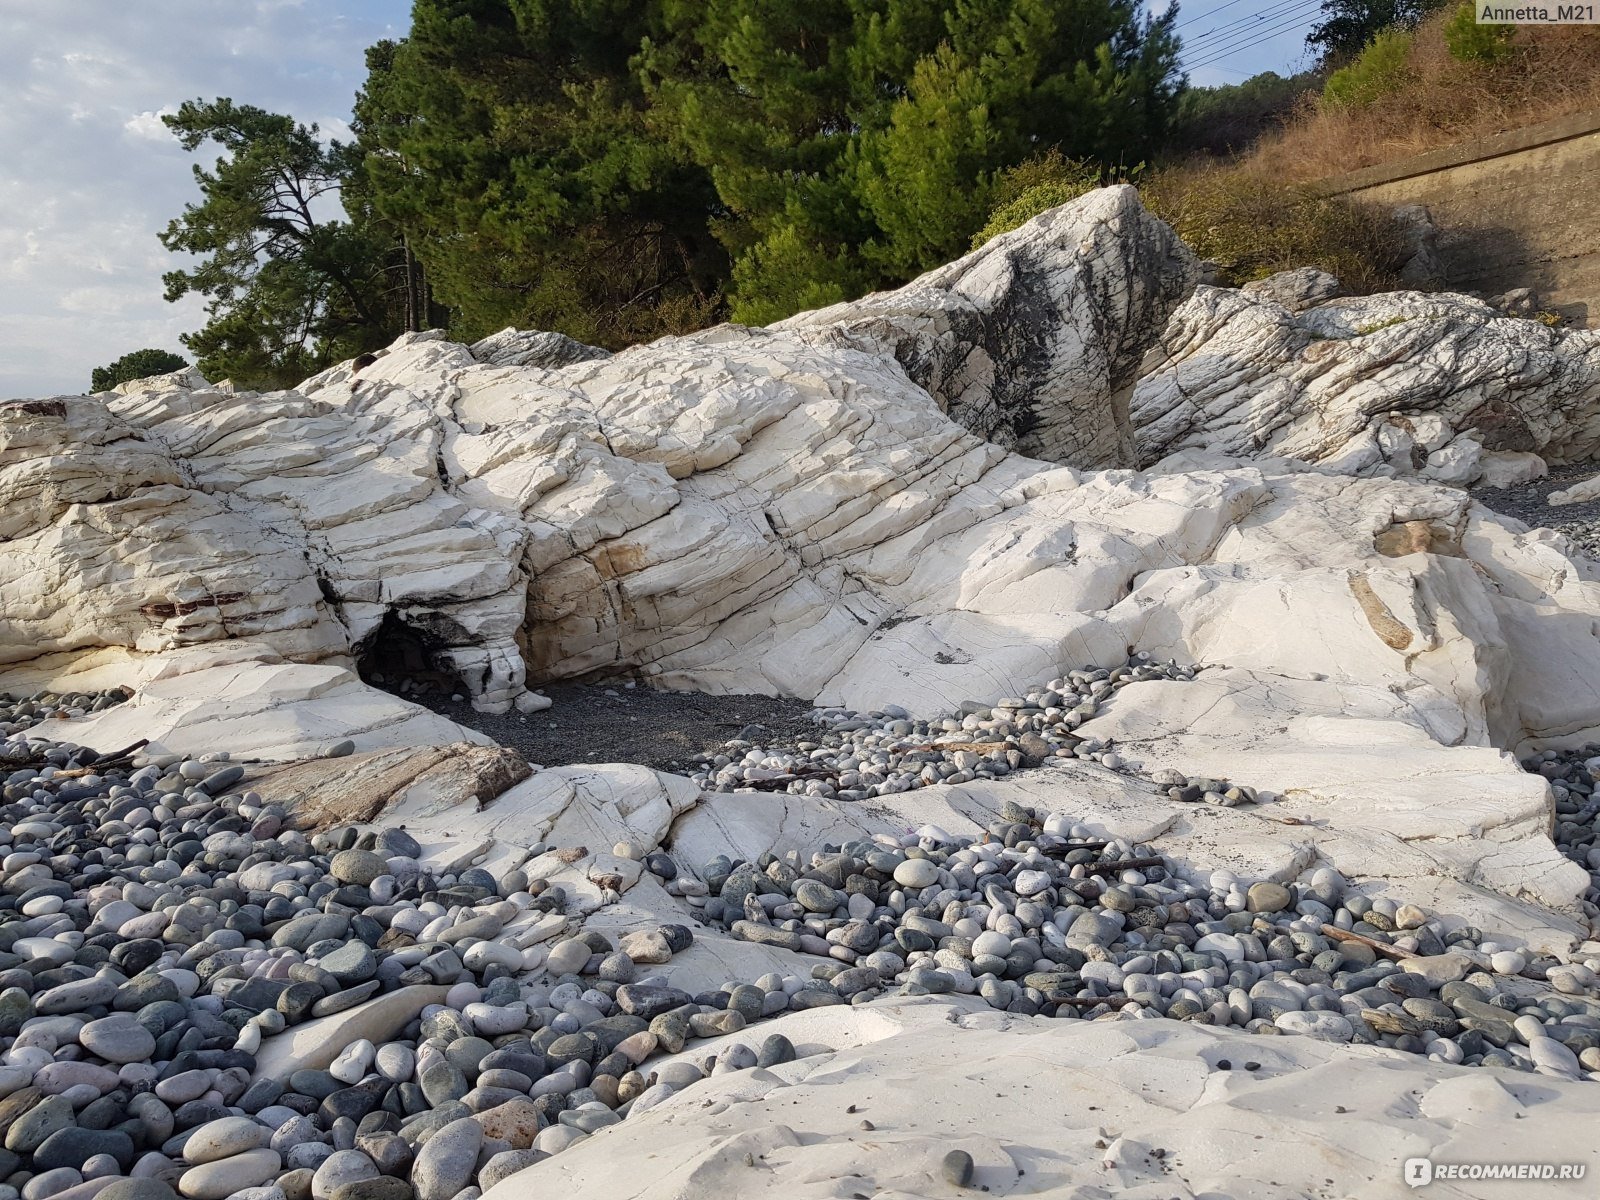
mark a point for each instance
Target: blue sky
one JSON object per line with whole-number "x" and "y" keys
{"x": 1226, "y": 41}
{"x": 90, "y": 174}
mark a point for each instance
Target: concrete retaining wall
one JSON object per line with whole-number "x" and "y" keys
{"x": 1517, "y": 209}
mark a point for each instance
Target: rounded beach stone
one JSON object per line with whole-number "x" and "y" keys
{"x": 339, "y": 1169}
{"x": 1267, "y": 897}
{"x": 28, "y": 1131}
{"x": 916, "y": 873}
{"x": 446, "y": 1161}
{"x": 118, "y": 1039}
{"x": 71, "y": 1147}
{"x": 224, "y": 1138}
{"x": 220, "y": 1179}
{"x": 359, "y": 867}
{"x": 815, "y": 896}
{"x": 957, "y": 1167}
{"x": 504, "y": 1165}
{"x": 775, "y": 1050}
{"x": 566, "y": 958}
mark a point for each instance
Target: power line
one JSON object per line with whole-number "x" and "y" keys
{"x": 1209, "y": 12}
{"x": 1250, "y": 22}
{"x": 1215, "y": 54}
{"x": 1231, "y": 51}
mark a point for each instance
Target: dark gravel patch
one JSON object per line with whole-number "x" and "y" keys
{"x": 1527, "y": 503}
{"x": 593, "y": 723}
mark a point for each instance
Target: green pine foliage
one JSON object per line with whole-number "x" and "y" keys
{"x": 509, "y": 141}
{"x": 137, "y": 364}
{"x": 622, "y": 169}
{"x": 855, "y": 143}
{"x": 290, "y": 286}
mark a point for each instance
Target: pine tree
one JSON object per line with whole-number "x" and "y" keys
{"x": 1348, "y": 25}
{"x": 510, "y": 146}
{"x": 857, "y": 142}
{"x": 290, "y": 286}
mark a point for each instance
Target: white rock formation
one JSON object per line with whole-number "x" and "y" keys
{"x": 1296, "y": 290}
{"x": 1067, "y": 1109}
{"x": 1579, "y": 493}
{"x": 427, "y": 490}
{"x": 795, "y": 510}
{"x": 1403, "y": 383}
{"x": 792, "y": 511}
{"x": 1029, "y": 351}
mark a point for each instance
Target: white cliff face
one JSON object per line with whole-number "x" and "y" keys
{"x": 1433, "y": 385}
{"x": 669, "y": 501}
{"x": 808, "y": 510}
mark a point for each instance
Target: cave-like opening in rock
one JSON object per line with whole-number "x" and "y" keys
{"x": 401, "y": 659}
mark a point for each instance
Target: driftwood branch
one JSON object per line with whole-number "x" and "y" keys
{"x": 116, "y": 758}
{"x": 1383, "y": 948}
{"x": 126, "y": 752}
{"x": 1126, "y": 864}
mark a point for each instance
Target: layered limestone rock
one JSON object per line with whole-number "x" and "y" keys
{"x": 1028, "y": 355}
{"x": 1434, "y": 385}
{"x": 802, "y": 510}
{"x": 655, "y": 496}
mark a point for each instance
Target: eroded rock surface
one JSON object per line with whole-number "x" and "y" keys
{"x": 1405, "y": 383}
{"x": 1066, "y": 1109}
{"x": 669, "y": 501}
{"x": 1020, "y": 351}
{"x": 795, "y": 511}
{"x": 833, "y": 509}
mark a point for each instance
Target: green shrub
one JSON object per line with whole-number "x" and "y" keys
{"x": 1377, "y": 71}
{"x": 1036, "y": 186}
{"x": 1253, "y": 226}
{"x": 1470, "y": 42}
{"x": 137, "y": 364}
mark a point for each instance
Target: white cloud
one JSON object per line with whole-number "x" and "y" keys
{"x": 92, "y": 175}
{"x": 335, "y": 129}
{"x": 147, "y": 125}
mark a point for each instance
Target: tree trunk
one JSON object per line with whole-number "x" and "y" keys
{"x": 432, "y": 315}
{"x": 415, "y": 315}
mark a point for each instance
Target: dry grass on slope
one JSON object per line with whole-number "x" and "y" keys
{"x": 1551, "y": 71}
{"x": 1263, "y": 211}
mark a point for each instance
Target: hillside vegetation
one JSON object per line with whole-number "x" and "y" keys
{"x": 1407, "y": 91}
{"x": 1449, "y": 81}
{"x": 549, "y": 164}
{"x": 617, "y": 172}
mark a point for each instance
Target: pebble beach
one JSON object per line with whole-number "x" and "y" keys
{"x": 200, "y": 999}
